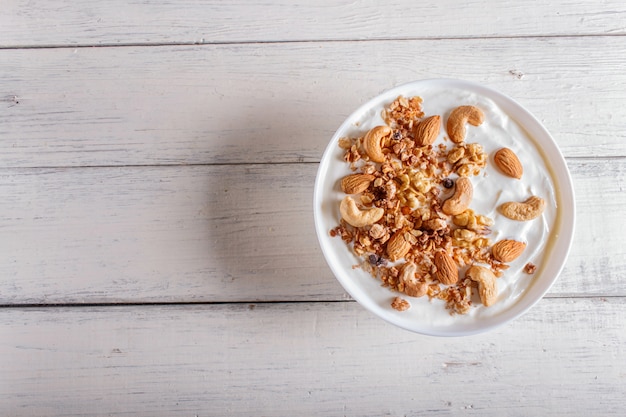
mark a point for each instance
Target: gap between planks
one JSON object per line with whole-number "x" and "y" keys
{"x": 254, "y": 303}
{"x": 307, "y": 41}
{"x": 252, "y": 163}
{"x": 558, "y": 359}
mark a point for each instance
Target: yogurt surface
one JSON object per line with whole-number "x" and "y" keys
{"x": 491, "y": 189}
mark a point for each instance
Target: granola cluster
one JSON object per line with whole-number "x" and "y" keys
{"x": 410, "y": 186}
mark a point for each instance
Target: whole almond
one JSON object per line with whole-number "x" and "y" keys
{"x": 447, "y": 273}
{"x": 427, "y": 130}
{"x": 507, "y": 250}
{"x": 356, "y": 183}
{"x": 397, "y": 246}
{"x": 508, "y": 163}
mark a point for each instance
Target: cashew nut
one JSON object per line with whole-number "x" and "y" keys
{"x": 461, "y": 199}
{"x": 413, "y": 287}
{"x": 357, "y": 217}
{"x": 373, "y": 142}
{"x": 487, "y": 285}
{"x": 528, "y": 210}
{"x": 459, "y": 117}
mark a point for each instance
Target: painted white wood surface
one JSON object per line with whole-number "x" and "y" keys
{"x": 225, "y": 233}
{"x": 173, "y": 163}
{"x": 565, "y": 357}
{"x": 67, "y": 22}
{"x": 282, "y": 102}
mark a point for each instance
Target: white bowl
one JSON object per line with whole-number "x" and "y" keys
{"x": 426, "y": 317}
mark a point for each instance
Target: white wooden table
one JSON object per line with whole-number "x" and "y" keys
{"x": 157, "y": 249}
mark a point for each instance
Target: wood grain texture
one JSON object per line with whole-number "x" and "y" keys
{"x": 225, "y": 233}
{"x": 65, "y": 22}
{"x": 174, "y": 162}
{"x": 564, "y": 357}
{"x": 282, "y": 102}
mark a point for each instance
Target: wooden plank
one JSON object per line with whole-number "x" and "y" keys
{"x": 308, "y": 359}
{"x": 224, "y": 233}
{"x": 238, "y": 103}
{"x": 36, "y": 22}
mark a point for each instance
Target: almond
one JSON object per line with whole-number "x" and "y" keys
{"x": 356, "y": 183}
{"x": 398, "y": 246}
{"x": 447, "y": 272}
{"x": 507, "y": 250}
{"x": 508, "y": 163}
{"x": 427, "y": 130}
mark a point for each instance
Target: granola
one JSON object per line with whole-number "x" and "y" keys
{"x": 410, "y": 184}
{"x": 400, "y": 304}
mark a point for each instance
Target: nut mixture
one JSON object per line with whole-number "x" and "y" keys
{"x": 406, "y": 211}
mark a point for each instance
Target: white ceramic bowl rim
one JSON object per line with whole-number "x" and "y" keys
{"x": 564, "y": 226}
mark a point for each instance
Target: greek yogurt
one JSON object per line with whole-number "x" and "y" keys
{"x": 491, "y": 188}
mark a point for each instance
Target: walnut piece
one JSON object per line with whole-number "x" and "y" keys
{"x": 400, "y": 304}
{"x": 530, "y": 268}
